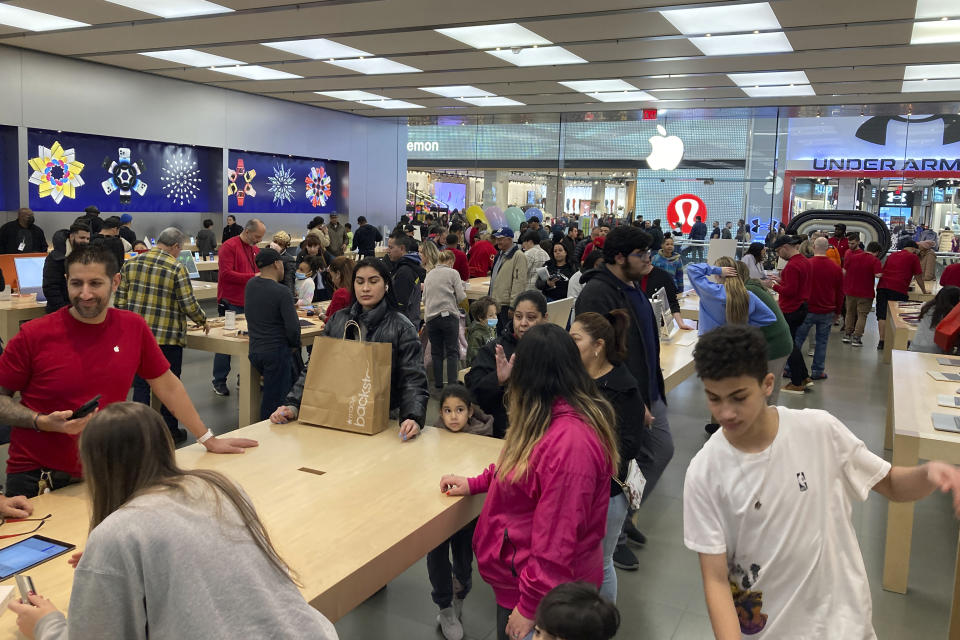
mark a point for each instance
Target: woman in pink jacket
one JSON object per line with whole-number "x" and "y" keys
{"x": 547, "y": 496}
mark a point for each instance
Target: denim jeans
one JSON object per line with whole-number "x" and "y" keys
{"x": 141, "y": 390}
{"x": 823, "y": 323}
{"x": 221, "y": 361}
{"x": 277, "y": 372}
{"x": 616, "y": 514}
{"x": 459, "y": 546}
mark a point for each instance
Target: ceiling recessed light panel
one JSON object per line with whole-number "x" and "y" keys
{"x": 724, "y": 19}
{"x": 35, "y": 20}
{"x": 392, "y": 104}
{"x": 589, "y": 86}
{"x": 174, "y": 8}
{"x": 776, "y": 92}
{"x": 256, "y": 72}
{"x": 317, "y": 48}
{"x": 623, "y": 96}
{"x": 493, "y": 101}
{"x": 769, "y": 78}
{"x": 538, "y": 57}
{"x": 743, "y": 44}
{"x": 931, "y": 71}
{"x": 918, "y": 86}
{"x": 937, "y": 8}
{"x": 936, "y": 32}
{"x": 374, "y": 66}
{"x": 495, "y": 35}
{"x": 356, "y": 96}
{"x": 459, "y": 91}
{"x": 192, "y": 58}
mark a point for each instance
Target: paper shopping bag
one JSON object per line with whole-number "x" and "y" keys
{"x": 348, "y": 385}
{"x": 948, "y": 330}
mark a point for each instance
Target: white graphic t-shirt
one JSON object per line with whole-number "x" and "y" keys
{"x": 782, "y": 517}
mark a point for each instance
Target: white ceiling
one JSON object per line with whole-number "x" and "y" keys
{"x": 852, "y": 51}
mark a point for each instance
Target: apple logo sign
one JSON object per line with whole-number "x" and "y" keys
{"x": 773, "y": 184}
{"x": 667, "y": 151}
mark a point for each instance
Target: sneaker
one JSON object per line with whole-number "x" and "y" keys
{"x": 449, "y": 624}
{"x": 458, "y": 606}
{"x": 633, "y": 534}
{"x": 624, "y": 559}
{"x": 221, "y": 389}
{"x": 857, "y": 341}
{"x": 846, "y": 339}
{"x": 819, "y": 376}
{"x": 880, "y": 346}
{"x": 793, "y": 388}
{"x": 808, "y": 383}
{"x": 711, "y": 428}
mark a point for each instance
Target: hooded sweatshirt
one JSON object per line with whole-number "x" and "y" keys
{"x": 479, "y": 424}
{"x": 408, "y": 275}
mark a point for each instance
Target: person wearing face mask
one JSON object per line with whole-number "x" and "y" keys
{"x": 22, "y": 235}
{"x": 374, "y": 308}
{"x": 483, "y": 326}
{"x": 488, "y": 376}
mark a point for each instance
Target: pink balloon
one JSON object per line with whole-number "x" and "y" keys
{"x": 495, "y": 217}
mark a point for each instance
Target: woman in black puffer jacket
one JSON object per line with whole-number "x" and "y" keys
{"x": 375, "y": 310}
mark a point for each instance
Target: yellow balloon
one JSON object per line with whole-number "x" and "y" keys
{"x": 475, "y": 212}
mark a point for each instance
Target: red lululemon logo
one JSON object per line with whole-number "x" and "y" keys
{"x": 684, "y": 210}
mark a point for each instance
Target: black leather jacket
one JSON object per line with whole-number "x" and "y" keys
{"x": 483, "y": 383}
{"x": 408, "y": 380}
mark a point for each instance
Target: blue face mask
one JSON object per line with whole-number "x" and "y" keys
{"x": 491, "y": 322}
{"x": 301, "y": 275}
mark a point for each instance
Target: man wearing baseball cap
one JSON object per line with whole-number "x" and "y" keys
{"x": 794, "y": 290}
{"x": 508, "y": 279}
{"x": 126, "y": 231}
{"x": 274, "y": 329}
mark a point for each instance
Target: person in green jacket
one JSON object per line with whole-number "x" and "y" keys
{"x": 483, "y": 326}
{"x": 777, "y": 335}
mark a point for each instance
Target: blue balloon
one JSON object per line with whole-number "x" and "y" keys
{"x": 533, "y": 211}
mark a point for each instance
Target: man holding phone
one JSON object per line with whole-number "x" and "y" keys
{"x": 61, "y": 361}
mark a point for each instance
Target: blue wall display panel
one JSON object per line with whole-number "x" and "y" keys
{"x": 9, "y": 195}
{"x": 265, "y": 183}
{"x": 70, "y": 171}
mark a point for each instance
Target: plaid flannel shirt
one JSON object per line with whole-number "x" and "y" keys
{"x": 156, "y": 286}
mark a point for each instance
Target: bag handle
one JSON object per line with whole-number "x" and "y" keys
{"x": 355, "y": 324}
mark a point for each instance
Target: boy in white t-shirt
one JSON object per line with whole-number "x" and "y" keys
{"x": 766, "y": 504}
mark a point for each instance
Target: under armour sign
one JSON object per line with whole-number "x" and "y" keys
{"x": 684, "y": 210}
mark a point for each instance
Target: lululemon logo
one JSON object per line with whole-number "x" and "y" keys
{"x": 683, "y": 211}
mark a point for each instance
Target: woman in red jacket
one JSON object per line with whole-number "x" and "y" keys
{"x": 546, "y": 509}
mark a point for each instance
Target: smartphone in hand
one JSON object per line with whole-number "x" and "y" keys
{"x": 87, "y": 408}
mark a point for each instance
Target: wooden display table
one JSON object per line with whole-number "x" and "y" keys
{"x": 204, "y": 290}
{"x": 476, "y": 288}
{"x": 16, "y": 310}
{"x": 676, "y": 359}
{"x": 899, "y": 332}
{"x": 207, "y": 265}
{"x": 689, "y": 305}
{"x": 912, "y": 400}
{"x": 221, "y": 341}
{"x": 368, "y": 508}
{"x": 932, "y": 287}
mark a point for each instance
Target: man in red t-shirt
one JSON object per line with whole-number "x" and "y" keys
{"x": 237, "y": 263}
{"x": 951, "y": 276}
{"x": 62, "y": 360}
{"x": 860, "y": 268}
{"x": 482, "y": 253}
{"x": 459, "y": 257}
{"x": 823, "y": 305}
{"x": 894, "y": 284}
{"x": 794, "y": 290}
{"x": 839, "y": 239}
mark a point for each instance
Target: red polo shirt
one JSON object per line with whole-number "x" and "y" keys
{"x": 842, "y": 245}
{"x": 236, "y": 263}
{"x": 481, "y": 258}
{"x": 860, "y": 268}
{"x": 460, "y": 263}
{"x": 794, "y": 287}
{"x": 826, "y": 295}
{"x": 900, "y": 267}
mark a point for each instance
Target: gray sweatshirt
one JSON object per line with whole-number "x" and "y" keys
{"x": 168, "y": 562}
{"x": 442, "y": 291}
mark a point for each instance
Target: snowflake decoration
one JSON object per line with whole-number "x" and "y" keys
{"x": 57, "y": 172}
{"x": 179, "y": 180}
{"x": 281, "y": 184}
{"x": 237, "y": 175}
{"x": 318, "y": 186}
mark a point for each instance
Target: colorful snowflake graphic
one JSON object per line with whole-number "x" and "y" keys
{"x": 281, "y": 184}
{"x": 179, "y": 179}
{"x": 124, "y": 176}
{"x": 318, "y": 186}
{"x": 240, "y": 173}
{"x": 57, "y": 172}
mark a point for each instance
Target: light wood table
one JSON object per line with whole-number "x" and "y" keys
{"x": 220, "y": 340}
{"x": 676, "y": 359}
{"x": 374, "y": 512}
{"x": 912, "y": 400}
{"x": 932, "y": 287}
{"x": 207, "y": 265}
{"x": 898, "y": 332}
{"x": 16, "y": 310}
{"x": 689, "y": 305}
{"x": 204, "y": 290}
{"x": 477, "y": 288}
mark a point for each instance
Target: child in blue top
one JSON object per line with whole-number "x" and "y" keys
{"x": 727, "y": 303}
{"x": 670, "y": 262}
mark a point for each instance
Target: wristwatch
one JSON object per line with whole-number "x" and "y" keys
{"x": 202, "y": 439}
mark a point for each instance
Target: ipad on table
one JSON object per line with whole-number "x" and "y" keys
{"x": 30, "y": 552}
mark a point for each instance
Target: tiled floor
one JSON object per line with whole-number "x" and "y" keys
{"x": 664, "y": 600}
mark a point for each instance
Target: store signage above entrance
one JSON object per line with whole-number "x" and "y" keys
{"x": 894, "y": 144}
{"x": 684, "y": 210}
{"x": 423, "y": 146}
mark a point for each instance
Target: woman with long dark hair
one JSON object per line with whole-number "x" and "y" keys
{"x": 931, "y": 313}
{"x": 560, "y": 269}
{"x": 546, "y": 509}
{"x": 374, "y": 308}
{"x": 157, "y": 529}
{"x": 753, "y": 258}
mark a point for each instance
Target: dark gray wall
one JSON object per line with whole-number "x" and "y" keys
{"x": 52, "y": 92}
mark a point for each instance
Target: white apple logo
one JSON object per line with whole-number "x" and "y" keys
{"x": 773, "y": 184}
{"x": 667, "y": 151}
